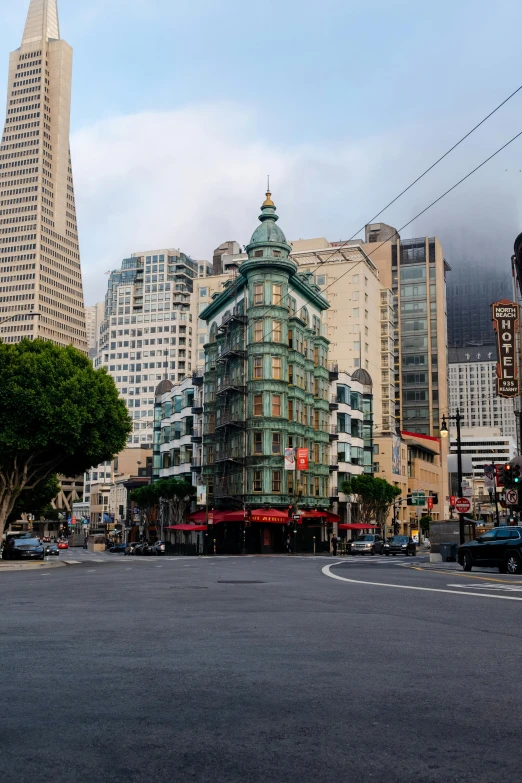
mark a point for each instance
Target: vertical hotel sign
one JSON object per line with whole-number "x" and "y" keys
{"x": 505, "y": 323}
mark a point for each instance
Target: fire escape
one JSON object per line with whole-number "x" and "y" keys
{"x": 231, "y": 410}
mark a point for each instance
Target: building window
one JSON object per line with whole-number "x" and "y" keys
{"x": 258, "y": 331}
{"x": 276, "y": 405}
{"x": 258, "y": 294}
{"x": 258, "y": 481}
{"x": 276, "y": 443}
{"x": 316, "y": 486}
{"x": 320, "y": 280}
{"x": 258, "y": 367}
{"x": 277, "y": 293}
{"x": 290, "y": 410}
{"x": 258, "y": 442}
{"x": 276, "y": 481}
{"x": 258, "y": 404}
{"x": 277, "y": 331}
{"x": 277, "y": 368}
{"x": 290, "y": 481}
{"x": 291, "y": 374}
{"x": 355, "y": 312}
{"x": 290, "y": 338}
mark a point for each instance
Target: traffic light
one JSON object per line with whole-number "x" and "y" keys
{"x": 517, "y": 478}
{"x": 508, "y": 475}
{"x": 435, "y": 498}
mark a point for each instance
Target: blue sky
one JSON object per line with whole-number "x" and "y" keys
{"x": 180, "y": 110}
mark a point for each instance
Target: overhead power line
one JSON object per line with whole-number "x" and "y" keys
{"x": 421, "y": 176}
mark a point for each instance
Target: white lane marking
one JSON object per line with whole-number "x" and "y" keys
{"x": 91, "y": 571}
{"x": 159, "y": 566}
{"x": 326, "y": 572}
{"x": 505, "y": 588}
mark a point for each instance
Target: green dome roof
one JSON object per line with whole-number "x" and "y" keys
{"x": 268, "y": 233}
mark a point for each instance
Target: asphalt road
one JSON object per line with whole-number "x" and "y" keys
{"x": 240, "y": 670}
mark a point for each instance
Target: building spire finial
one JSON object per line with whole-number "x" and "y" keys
{"x": 268, "y": 202}
{"x": 42, "y": 22}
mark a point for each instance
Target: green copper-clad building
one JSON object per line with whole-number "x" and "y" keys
{"x": 266, "y": 384}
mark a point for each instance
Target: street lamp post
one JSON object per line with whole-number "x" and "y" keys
{"x": 444, "y": 434}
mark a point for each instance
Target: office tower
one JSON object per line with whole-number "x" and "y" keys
{"x": 41, "y": 291}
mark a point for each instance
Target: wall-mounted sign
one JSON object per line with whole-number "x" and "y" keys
{"x": 302, "y": 459}
{"x": 289, "y": 459}
{"x": 505, "y": 324}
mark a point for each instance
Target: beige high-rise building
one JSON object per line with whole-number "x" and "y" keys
{"x": 41, "y": 289}
{"x": 94, "y": 315}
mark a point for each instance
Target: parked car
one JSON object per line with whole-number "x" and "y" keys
{"x": 129, "y": 549}
{"x": 499, "y": 548}
{"x": 400, "y": 545}
{"x": 118, "y": 549}
{"x": 368, "y": 544}
{"x": 142, "y": 549}
{"x": 63, "y": 544}
{"x": 158, "y": 548}
{"x": 23, "y": 549}
{"x": 51, "y": 550}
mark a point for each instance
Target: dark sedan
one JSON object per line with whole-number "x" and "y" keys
{"x": 400, "y": 545}
{"x": 23, "y": 549}
{"x": 118, "y": 549}
{"x": 51, "y": 550}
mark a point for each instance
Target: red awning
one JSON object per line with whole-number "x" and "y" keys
{"x": 187, "y": 528}
{"x": 357, "y": 526}
{"x": 270, "y": 515}
{"x": 217, "y": 516}
{"x": 197, "y": 516}
{"x": 320, "y": 515}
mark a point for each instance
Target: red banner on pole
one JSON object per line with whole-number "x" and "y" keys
{"x": 302, "y": 459}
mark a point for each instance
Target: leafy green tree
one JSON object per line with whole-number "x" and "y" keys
{"x": 375, "y": 498}
{"x": 36, "y": 501}
{"x": 169, "y": 497}
{"x": 57, "y": 415}
{"x": 425, "y": 523}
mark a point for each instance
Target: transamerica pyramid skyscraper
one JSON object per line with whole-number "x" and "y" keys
{"x": 41, "y": 291}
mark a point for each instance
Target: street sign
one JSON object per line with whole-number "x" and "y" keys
{"x": 418, "y": 498}
{"x": 512, "y": 497}
{"x": 462, "y": 505}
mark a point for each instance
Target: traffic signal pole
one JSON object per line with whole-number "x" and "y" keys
{"x": 458, "y": 418}
{"x": 497, "y": 516}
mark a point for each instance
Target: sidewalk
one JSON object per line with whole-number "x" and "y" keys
{"x": 8, "y": 565}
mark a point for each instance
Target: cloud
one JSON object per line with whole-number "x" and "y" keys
{"x": 194, "y": 178}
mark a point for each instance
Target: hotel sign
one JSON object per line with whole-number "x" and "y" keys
{"x": 505, "y": 323}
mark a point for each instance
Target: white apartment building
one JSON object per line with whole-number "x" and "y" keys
{"x": 485, "y": 445}
{"x": 147, "y": 332}
{"x": 473, "y": 390}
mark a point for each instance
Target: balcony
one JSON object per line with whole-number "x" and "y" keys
{"x": 197, "y": 408}
{"x": 195, "y": 465}
{"x": 333, "y": 494}
{"x": 197, "y": 377}
{"x": 333, "y": 432}
{"x": 197, "y": 435}
{"x": 333, "y": 371}
{"x": 333, "y": 463}
{"x": 334, "y": 402}
{"x": 228, "y": 385}
{"x": 230, "y": 420}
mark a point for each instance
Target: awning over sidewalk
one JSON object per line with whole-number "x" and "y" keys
{"x": 187, "y": 528}
{"x": 357, "y": 526}
{"x": 320, "y": 515}
{"x": 217, "y": 516}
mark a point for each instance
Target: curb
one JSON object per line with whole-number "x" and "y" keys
{"x": 30, "y": 566}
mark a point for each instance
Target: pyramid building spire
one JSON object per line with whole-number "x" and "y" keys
{"x": 42, "y": 22}
{"x": 41, "y": 295}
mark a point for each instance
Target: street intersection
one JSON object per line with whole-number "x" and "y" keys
{"x": 239, "y": 669}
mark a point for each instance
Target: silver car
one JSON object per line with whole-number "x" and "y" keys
{"x": 368, "y": 544}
